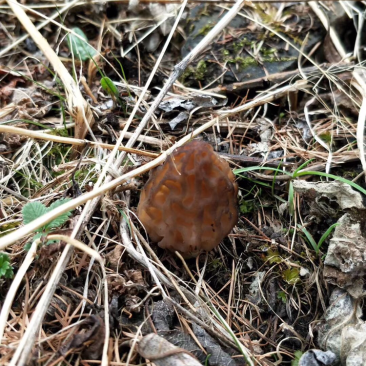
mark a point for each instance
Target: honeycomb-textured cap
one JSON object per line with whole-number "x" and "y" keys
{"x": 190, "y": 202}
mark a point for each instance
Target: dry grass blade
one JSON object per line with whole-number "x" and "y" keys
{"x": 5, "y": 310}
{"x": 26, "y": 344}
{"x": 29, "y": 228}
{"x": 76, "y": 103}
{"x": 359, "y": 75}
{"x": 278, "y": 109}
{"x": 178, "y": 71}
{"x": 65, "y": 8}
{"x": 70, "y": 141}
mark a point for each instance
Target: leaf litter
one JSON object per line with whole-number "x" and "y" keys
{"x": 285, "y": 286}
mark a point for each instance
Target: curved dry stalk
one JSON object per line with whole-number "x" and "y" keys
{"x": 41, "y": 221}
{"x": 11, "y": 238}
{"x": 77, "y": 105}
{"x": 272, "y": 95}
{"x": 15, "y": 285}
{"x": 70, "y": 141}
{"x": 109, "y": 185}
{"x": 8, "y": 109}
{"x": 55, "y": 15}
{"x": 167, "y": 273}
{"x": 178, "y": 71}
{"x": 359, "y": 75}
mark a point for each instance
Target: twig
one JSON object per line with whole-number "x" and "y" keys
{"x": 41, "y": 221}
{"x": 15, "y": 285}
{"x": 76, "y": 104}
{"x": 55, "y": 15}
{"x": 178, "y": 71}
{"x": 71, "y": 141}
{"x": 15, "y": 194}
{"x": 358, "y": 74}
{"x": 24, "y": 348}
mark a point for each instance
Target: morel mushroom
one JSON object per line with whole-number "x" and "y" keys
{"x": 189, "y": 203}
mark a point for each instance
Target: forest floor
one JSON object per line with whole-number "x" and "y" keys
{"x": 95, "y": 95}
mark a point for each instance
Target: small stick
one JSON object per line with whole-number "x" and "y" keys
{"x": 34, "y": 225}
{"x": 71, "y": 141}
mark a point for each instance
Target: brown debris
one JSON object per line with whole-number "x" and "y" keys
{"x": 89, "y": 338}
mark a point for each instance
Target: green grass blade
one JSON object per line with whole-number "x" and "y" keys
{"x": 243, "y": 350}
{"x": 326, "y": 234}
{"x": 252, "y": 168}
{"x": 335, "y": 177}
{"x": 291, "y": 205}
{"x": 302, "y": 166}
{"x": 310, "y": 238}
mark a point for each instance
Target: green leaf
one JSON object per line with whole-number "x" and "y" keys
{"x": 49, "y": 242}
{"x": 27, "y": 246}
{"x": 6, "y": 270}
{"x": 126, "y": 219}
{"x": 296, "y": 360}
{"x": 251, "y": 168}
{"x": 108, "y": 86}
{"x": 32, "y": 211}
{"x": 80, "y": 47}
{"x": 273, "y": 256}
{"x": 291, "y": 275}
{"x": 58, "y": 203}
{"x": 282, "y": 296}
{"x": 9, "y": 273}
{"x": 207, "y": 358}
{"x": 36, "y": 236}
{"x": 60, "y": 220}
{"x": 302, "y": 166}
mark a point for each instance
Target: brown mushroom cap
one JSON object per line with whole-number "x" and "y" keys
{"x": 190, "y": 202}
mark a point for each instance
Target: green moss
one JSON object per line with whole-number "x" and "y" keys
{"x": 246, "y": 206}
{"x": 295, "y": 39}
{"x": 280, "y": 59}
{"x": 205, "y": 11}
{"x": 201, "y": 70}
{"x": 348, "y": 174}
{"x": 238, "y": 46}
{"x": 186, "y": 74}
{"x": 243, "y": 62}
{"x": 63, "y": 133}
{"x": 327, "y": 137}
{"x": 204, "y": 30}
{"x": 197, "y": 73}
{"x": 268, "y": 51}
